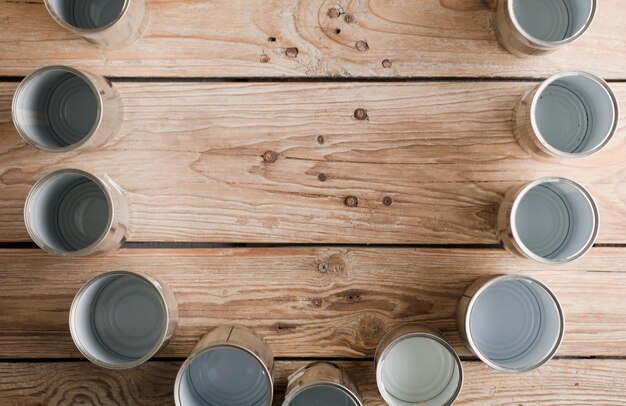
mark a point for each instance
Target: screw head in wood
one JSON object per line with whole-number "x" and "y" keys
{"x": 349, "y": 18}
{"x": 387, "y": 201}
{"x": 387, "y": 63}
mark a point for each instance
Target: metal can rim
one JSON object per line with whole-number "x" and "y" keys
{"x": 470, "y": 341}
{"x": 151, "y": 281}
{"x": 32, "y": 76}
{"x": 91, "y": 248}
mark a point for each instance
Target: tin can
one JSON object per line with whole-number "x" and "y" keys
{"x": 59, "y": 109}
{"x": 551, "y": 220}
{"x": 120, "y": 319}
{"x": 570, "y": 115}
{"x": 230, "y": 366}
{"x": 107, "y": 24}
{"x": 415, "y": 365}
{"x": 74, "y": 213}
{"x": 321, "y": 383}
{"x": 512, "y": 323}
{"x": 536, "y": 27}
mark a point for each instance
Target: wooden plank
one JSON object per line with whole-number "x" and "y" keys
{"x": 301, "y": 311}
{"x": 560, "y": 382}
{"x": 189, "y": 156}
{"x": 221, "y": 38}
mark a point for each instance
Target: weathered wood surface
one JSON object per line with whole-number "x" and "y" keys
{"x": 190, "y": 156}
{"x": 560, "y": 382}
{"x": 255, "y": 38}
{"x": 302, "y": 312}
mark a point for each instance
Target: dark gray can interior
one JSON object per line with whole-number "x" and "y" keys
{"x": 225, "y": 376}
{"x": 552, "y": 20}
{"x": 322, "y": 394}
{"x": 68, "y": 211}
{"x": 88, "y": 14}
{"x": 56, "y": 108}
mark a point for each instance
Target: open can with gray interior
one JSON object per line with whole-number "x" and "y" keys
{"x": 230, "y": 366}
{"x": 535, "y": 27}
{"x": 74, "y": 213}
{"x": 105, "y": 23}
{"x": 120, "y": 319}
{"x": 550, "y": 220}
{"x": 59, "y": 109}
{"x": 321, "y": 383}
{"x": 512, "y": 323}
{"x": 417, "y": 366}
{"x": 569, "y": 115}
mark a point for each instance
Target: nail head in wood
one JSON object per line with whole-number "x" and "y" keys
{"x": 321, "y": 177}
{"x": 323, "y": 267}
{"x": 265, "y": 59}
{"x": 351, "y": 201}
{"x": 387, "y": 201}
{"x": 321, "y": 139}
{"x": 334, "y": 12}
{"x": 361, "y": 46}
{"x": 349, "y": 18}
{"x": 292, "y": 52}
{"x": 270, "y": 156}
{"x": 360, "y": 114}
{"x": 387, "y": 63}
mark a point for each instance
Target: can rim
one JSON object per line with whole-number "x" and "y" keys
{"x": 179, "y": 376}
{"x": 34, "y": 75}
{"x": 79, "y": 30}
{"x": 516, "y": 237}
{"x": 150, "y": 353}
{"x": 481, "y": 356}
{"x": 533, "y": 113}
{"x": 382, "y": 352}
{"x": 291, "y": 395}
{"x": 551, "y": 44}
{"x": 91, "y": 248}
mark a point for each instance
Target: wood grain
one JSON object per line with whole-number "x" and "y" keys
{"x": 302, "y": 312}
{"x": 560, "y": 382}
{"x": 190, "y": 157}
{"x": 256, "y": 38}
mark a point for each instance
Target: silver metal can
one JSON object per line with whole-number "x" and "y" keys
{"x": 230, "y": 366}
{"x": 59, "y": 109}
{"x": 512, "y": 323}
{"x": 551, "y": 220}
{"x": 570, "y": 115}
{"x": 415, "y": 365}
{"x": 120, "y": 319}
{"x": 105, "y": 23}
{"x": 535, "y": 27}
{"x": 74, "y": 213}
{"x": 321, "y": 383}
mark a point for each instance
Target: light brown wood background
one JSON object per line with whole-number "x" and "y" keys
{"x": 215, "y": 84}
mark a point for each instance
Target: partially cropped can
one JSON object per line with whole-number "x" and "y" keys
{"x": 535, "y": 27}
{"x": 570, "y": 115}
{"x": 512, "y": 323}
{"x": 321, "y": 383}
{"x": 415, "y": 365}
{"x": 74, "y": 213}
{"x": 58, "y": 109}
{"x": 551, "y": 220}
{"x": 230, "y": 366}
{"x": 120, "y": 319}
{"x": 105, "y": 23}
